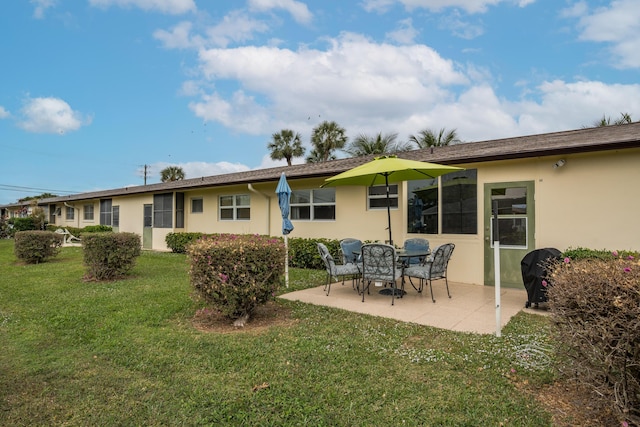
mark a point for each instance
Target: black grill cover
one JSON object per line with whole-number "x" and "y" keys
{"x": 533, "y": 272}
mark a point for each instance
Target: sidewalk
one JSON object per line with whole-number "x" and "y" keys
{"x": 471, "y": 308}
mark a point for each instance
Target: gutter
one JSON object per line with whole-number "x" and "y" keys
{"x": 253, "y": 190}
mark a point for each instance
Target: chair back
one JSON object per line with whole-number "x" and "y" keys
{"x": 379, "y": 262}
{"x": 416, "y": 244}
{"x": 441, "y": 256}
{"x": 350, "y": 250}
{"x": 329, "y": 263}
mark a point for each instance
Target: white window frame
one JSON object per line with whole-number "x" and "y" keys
{"x": 383, "y": 195}
{"x": 70, "y": 213}
{"x": 88, "y": 212}
{"x": 234, "y": 207}
{"x": 313, "y": 204}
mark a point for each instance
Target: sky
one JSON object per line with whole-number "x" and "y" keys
{"x": 95, "y": 92}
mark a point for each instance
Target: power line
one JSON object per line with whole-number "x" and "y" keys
{"x": 8, "y": 187}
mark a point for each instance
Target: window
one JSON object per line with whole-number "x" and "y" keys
{"x": 235, "y": 208}
{"x": 105, "y": 212}
{"x": 460, "y": 202}
{"x": 162, "y": 210}
{"x": 378, "y": 196}
{"x": 70, "y": 213}
{"x": 512, "y": 216}
{"x": 88, "y": 212}
{"x": 313, "y": 205}
{"x": 454, "y": 202}
{"x": 197, "y": 205}
{"x": 116, "y": 216}
{"x": 179, "y": 210}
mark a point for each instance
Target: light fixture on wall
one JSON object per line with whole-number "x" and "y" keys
{"x": 560, "y": 163}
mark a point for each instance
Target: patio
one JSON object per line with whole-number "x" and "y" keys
{"x": 470, "y": 309}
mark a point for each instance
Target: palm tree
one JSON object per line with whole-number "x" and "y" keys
{"x": 428, "y": 138}
{"x": 286, "y": 145}
{"x": 171, "y": 173}
{"x": 326, "y": 138}
{"x": 624, "y": 119}
{"x": 378, "y": 144}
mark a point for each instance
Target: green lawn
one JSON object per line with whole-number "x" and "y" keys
{"x": 125, "y": 353}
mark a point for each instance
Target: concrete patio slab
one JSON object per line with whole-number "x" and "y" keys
{"x": 471, "y": 308}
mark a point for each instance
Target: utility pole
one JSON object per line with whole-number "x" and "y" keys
{"x": 145, "y": 174}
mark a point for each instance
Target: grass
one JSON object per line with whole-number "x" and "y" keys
{"x": 125, "y": 353}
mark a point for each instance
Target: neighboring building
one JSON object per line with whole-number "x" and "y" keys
{"x": 567, "y": 189}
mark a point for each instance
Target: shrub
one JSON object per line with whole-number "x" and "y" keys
{"x": 178, "y": 242}
{"x": 23, "y": 224}
{"x": 595, "y": 304}
{"x": 236, "y": 273}
{"x": 303, "y": 253}
{"x": 110, "y": 255}
{"x": 5, "y": 230}
{"x": 94, "y": 229}
{"x": 35, "y": 246}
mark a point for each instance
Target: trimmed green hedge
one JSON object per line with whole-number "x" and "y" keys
{"x": 35, "y": 246}
{"x": 110, "y": 256}
{"x": 303, "y": 252}
{"x": 178, "y": 242}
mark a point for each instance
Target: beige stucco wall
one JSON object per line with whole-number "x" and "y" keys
{"x": 592, "y": 201}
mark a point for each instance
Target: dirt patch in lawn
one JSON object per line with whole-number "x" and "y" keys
{"x": 266, "y": 316}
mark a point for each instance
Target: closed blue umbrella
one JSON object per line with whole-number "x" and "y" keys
{"x": 284, "y": 194}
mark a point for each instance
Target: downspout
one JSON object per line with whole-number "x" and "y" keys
{"x": 253, "y": 190}
{"x": 74, "y": 209}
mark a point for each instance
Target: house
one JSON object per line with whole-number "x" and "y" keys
{"x": 576, "y": 188}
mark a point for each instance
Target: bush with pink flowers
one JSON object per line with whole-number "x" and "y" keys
{"x": 236, "y": 273}
{"x": 595, "y": 305}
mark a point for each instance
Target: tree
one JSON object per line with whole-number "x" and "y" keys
{"x": 624, "y": 119}
{"x": 378, "y": 144}
{"x": 325, "y": 139}
{"x": 428, "y": 138}
{"x": 41, "y": 196}
{"x": 286, "y": 145}
{"x": 171, "y": 173}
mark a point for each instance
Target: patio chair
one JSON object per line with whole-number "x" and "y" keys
{"x": 350, "y": 250}
{"x": 415, "y": 244}
{"x": 68, "y": 238}
{"x": 433, "y": 268}
{"x": 379, "y": 265}
{"x": 335, "y": 271}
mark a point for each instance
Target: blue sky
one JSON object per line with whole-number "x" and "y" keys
{"x": 93, "y": 90}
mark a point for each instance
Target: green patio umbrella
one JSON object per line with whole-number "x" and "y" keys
{"x": 389, "y": 169}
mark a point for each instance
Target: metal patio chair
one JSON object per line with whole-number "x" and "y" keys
{"x": 433, "y": 268}
{"x": 335, "y": 271}
{"x": 379, "y": 265}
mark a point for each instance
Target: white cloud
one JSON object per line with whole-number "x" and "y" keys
{"x": 470, "y": 6}
{"x": 50, "y": 115}
{"x": 173, "y": 7}
{"x": 41, "y": 7}
{"x": 296, "y": 9}
{"x": 235, "y": 27}
{"x": 179, "y": 37}
{"x": 353, "y": 75}
{"x": 4, "y": 114}
{"x": 618, "y": 26}
{"x": 460, "y": 27}
{"x": 405, "y": 34}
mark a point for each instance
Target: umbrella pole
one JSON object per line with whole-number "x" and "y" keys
{"x": 386, "y": 181}
{"x": 286, "y": 260}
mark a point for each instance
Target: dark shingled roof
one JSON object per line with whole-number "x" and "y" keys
{"x": 557, "y": 143}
